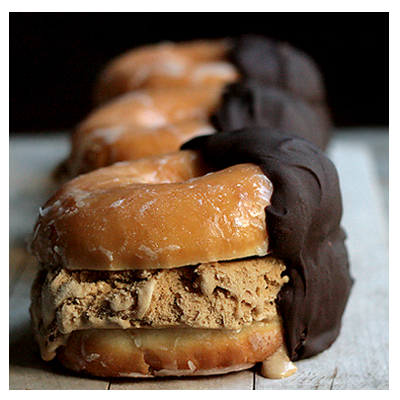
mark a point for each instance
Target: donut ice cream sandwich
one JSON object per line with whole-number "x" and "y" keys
{"x": 153, "y": 99}
{"x": 209, "y": 260}
{"x": 201, "y": 233}
{"x": 155, "y": 268}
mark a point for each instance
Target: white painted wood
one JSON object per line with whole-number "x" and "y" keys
{"x": 357, "y": 360}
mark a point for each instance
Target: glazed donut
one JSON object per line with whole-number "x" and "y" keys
{"x": 112, "y": 352}
{"x": 154, "y": 107}
{"x": 140, "y": 124}
{"x": 101, "y": 141}
{"x": 125, "y": 221}
{"x": 136, "y": 271}
{"x": 218, "y": 62}
{"x": 162, "y": 103}
{"x": 169, "y": 65}
{"x": 102, "y": 147}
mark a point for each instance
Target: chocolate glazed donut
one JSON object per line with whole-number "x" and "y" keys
{"x": 304, "y": 228}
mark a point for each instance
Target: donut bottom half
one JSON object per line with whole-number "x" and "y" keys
{"x": 169, "y": 351}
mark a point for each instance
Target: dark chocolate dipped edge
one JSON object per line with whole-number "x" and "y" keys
{"x": 304, "y": 230}
{"x": 249, "y": 103}
{"x": 278, "y": 64}
{"x": 280, "y": 87}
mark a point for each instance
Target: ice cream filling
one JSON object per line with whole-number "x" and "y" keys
{"x": 219, "y": 295}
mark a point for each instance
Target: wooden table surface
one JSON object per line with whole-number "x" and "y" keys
{"x": 359, "y": 359}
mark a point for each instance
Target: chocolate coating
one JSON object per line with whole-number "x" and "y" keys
{"x": 249, "y": 103}
{"x": 303, "y": 221}
{"x": 278, "y": 64}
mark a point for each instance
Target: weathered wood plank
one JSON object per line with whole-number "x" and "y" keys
{"x": 32, "y": 161}
{"x": 367, "y": 317}
{"x": 359, "y": 358}
{"x": 235, "y": 381}
{"x": 19, "y": 259}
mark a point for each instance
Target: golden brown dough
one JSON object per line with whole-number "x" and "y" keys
{"x": 108, "y": 220}
{"x": 140, "y": 124}
{"x": 154, "y": 107}
{"x": 106, "y": 146}
{"x": 168, "y": 65}
{"x": 166, "y": 352}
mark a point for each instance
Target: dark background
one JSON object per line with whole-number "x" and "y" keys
{"x": 55, "y": 57}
